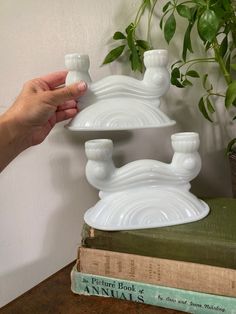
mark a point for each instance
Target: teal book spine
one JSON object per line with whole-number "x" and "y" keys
{"x": 177, "y": 299}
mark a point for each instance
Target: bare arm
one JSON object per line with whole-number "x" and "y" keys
{"x": 40, "y": 105}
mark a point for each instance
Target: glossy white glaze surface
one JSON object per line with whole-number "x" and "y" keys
{"x": 120, "y": 102}
{"x": 144, "y": 193}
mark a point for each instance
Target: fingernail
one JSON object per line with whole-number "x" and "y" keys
{"x": 82, "y": 86}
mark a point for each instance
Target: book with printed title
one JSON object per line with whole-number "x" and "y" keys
{"x": 210, "y": 241}
{"x": 162, "y": 272}
{"x": 178, "y": 299}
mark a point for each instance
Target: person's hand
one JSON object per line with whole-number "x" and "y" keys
{"x": 40, "y": 105}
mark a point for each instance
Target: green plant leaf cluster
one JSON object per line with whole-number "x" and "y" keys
{"x": 129, "y": 43}
{"x": 210, "y": 23}
{"x": 136, "y": 48}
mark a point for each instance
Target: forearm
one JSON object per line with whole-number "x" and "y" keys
{"x": 12, "y": 140}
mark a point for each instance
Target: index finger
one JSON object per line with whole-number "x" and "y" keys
{"x": 55, "y": 79}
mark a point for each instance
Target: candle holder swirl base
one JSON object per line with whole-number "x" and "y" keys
{"x": 144, "y": 193}
{"x": 120, "y": 102}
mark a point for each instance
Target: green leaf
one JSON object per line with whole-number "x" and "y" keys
{"x": 227, "y": 29}
{"x": 208, "y": 24}
{"x": 130, "y": 38}
{"x": 224, "y": 46}
{"x": 143, "y": 44}
{"x": 210, "y": 107}
{"x": 200, "y": 2}
{"x": 194, "y": 11}
{"x": 208, "y": 45}
{"x": 202, "y": 108}
{"x": 166, "y": 6}
{"x": 136, "y": 62}
{"x": 204, "y": 81}
{"x": 226, "y": 4}
{"x": 193, "y": 73}
{"x": 184, "y": 11}
{"x": 219, "y": 11}
{"x": 176, "y": 83}
{"x": 187, "y": 83}
{"x": 230, "y": 94}
{"x": 175, "y": 73}
{"x": 213, "y": 2}
{"x": 175, "y": 76}
{"x": 114, "y": 54}
{"x": 206, "y": 84}
{"x": 119, "y": 35}
{"x": 169, "y": 28}
{"x": 227, "y": 63}
{"x": 129, "y": 28}
{"x": 161, "y": 22}
{"x": 187, "y": 45}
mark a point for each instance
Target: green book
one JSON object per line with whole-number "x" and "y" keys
{"x": 177, "y": 299}
{"x": 210, "y": 241}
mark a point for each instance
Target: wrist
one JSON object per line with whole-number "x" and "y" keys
{"x": 13, "y": 139}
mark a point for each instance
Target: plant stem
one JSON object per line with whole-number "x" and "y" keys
{"x": 216, "y": 94}
{"x": 221, "y": 63}
{"x": 233, "y": 22}
{"x": 149, "y": 21}
{"x": 139, "y": 14}
{"x": 195, "y": 61}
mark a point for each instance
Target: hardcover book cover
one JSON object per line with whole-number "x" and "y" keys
{"x": 188, "y": 301}
{"x": 158, "y": 271}
{"x": 210, "y": 241}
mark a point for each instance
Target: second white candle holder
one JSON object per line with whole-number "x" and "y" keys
{"x": 144, "y": 193}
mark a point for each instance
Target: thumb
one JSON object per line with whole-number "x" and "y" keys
{"x": 69, "y": 92}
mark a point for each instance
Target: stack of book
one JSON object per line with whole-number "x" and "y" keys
{"x": 189, "y": 267}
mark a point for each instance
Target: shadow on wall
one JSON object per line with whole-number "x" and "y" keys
{"x": 72, "y": 195}
{"x": 214, "y": 179}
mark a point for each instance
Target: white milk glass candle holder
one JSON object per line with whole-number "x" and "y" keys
{"x": 120, "y": 102}
{"x": 144, "y": 193}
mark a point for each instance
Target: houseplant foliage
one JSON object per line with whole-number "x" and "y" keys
{"x": 211, "y": 22}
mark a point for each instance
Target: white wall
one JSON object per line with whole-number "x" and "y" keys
{"x": 43, "y": 192}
